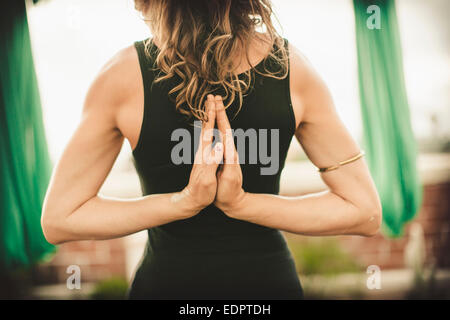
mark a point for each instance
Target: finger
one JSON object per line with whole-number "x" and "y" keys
{"x": 230, "y": 154}
{"x": 208, "y": 126}
{"x": 210, "y": 111}
{"x": 222, "y": 118}
{"x": 207, "y": 131}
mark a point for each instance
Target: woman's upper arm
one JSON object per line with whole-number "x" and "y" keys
{"x": 325, "y": 139}
{"x": 90, "y": 153}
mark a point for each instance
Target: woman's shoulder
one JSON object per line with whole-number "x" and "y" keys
{"x": 116, "y": 83}
{"x": 302, "y": 70}
{"x": 121, "y": 65}
{"x": 307, "y": 86}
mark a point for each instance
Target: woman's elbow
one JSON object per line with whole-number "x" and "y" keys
{"x": 372, "y": 219}
{"x": 51, "y": 229}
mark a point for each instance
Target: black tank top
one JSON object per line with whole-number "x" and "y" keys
{"x": 210, "y": 235}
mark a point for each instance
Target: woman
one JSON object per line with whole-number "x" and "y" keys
{"x": 213, "y": 225}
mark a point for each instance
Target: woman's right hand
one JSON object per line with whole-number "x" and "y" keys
{"x": 201, "y": 189}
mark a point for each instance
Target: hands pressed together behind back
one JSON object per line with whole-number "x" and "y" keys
{"x": 216, "y": 175}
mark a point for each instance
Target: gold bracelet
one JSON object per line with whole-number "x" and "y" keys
{"x": 359, "y": 155}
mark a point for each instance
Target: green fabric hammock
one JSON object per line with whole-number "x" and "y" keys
{"x": 388, "y": 137}
{"x": 24, "y": 161}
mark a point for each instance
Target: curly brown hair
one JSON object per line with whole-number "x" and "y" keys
{"x": 198, "y": 41}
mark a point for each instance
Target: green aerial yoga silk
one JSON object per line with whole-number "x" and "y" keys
{"x": 24, "y": 161}
{"x": 388, "y": 138}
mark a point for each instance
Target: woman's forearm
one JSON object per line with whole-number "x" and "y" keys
{"x": 104, "y": 218}
{"x": 318, "y": 214}
{"x": 73, "y": 210}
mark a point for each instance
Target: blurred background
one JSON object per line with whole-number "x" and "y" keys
{"x": 71, "y": 40}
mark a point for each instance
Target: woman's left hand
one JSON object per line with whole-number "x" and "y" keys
{"x": 230, "y": 194}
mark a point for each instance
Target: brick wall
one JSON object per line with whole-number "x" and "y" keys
{"x": 97, "y": 260}
{"x": 434, "y": 219}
